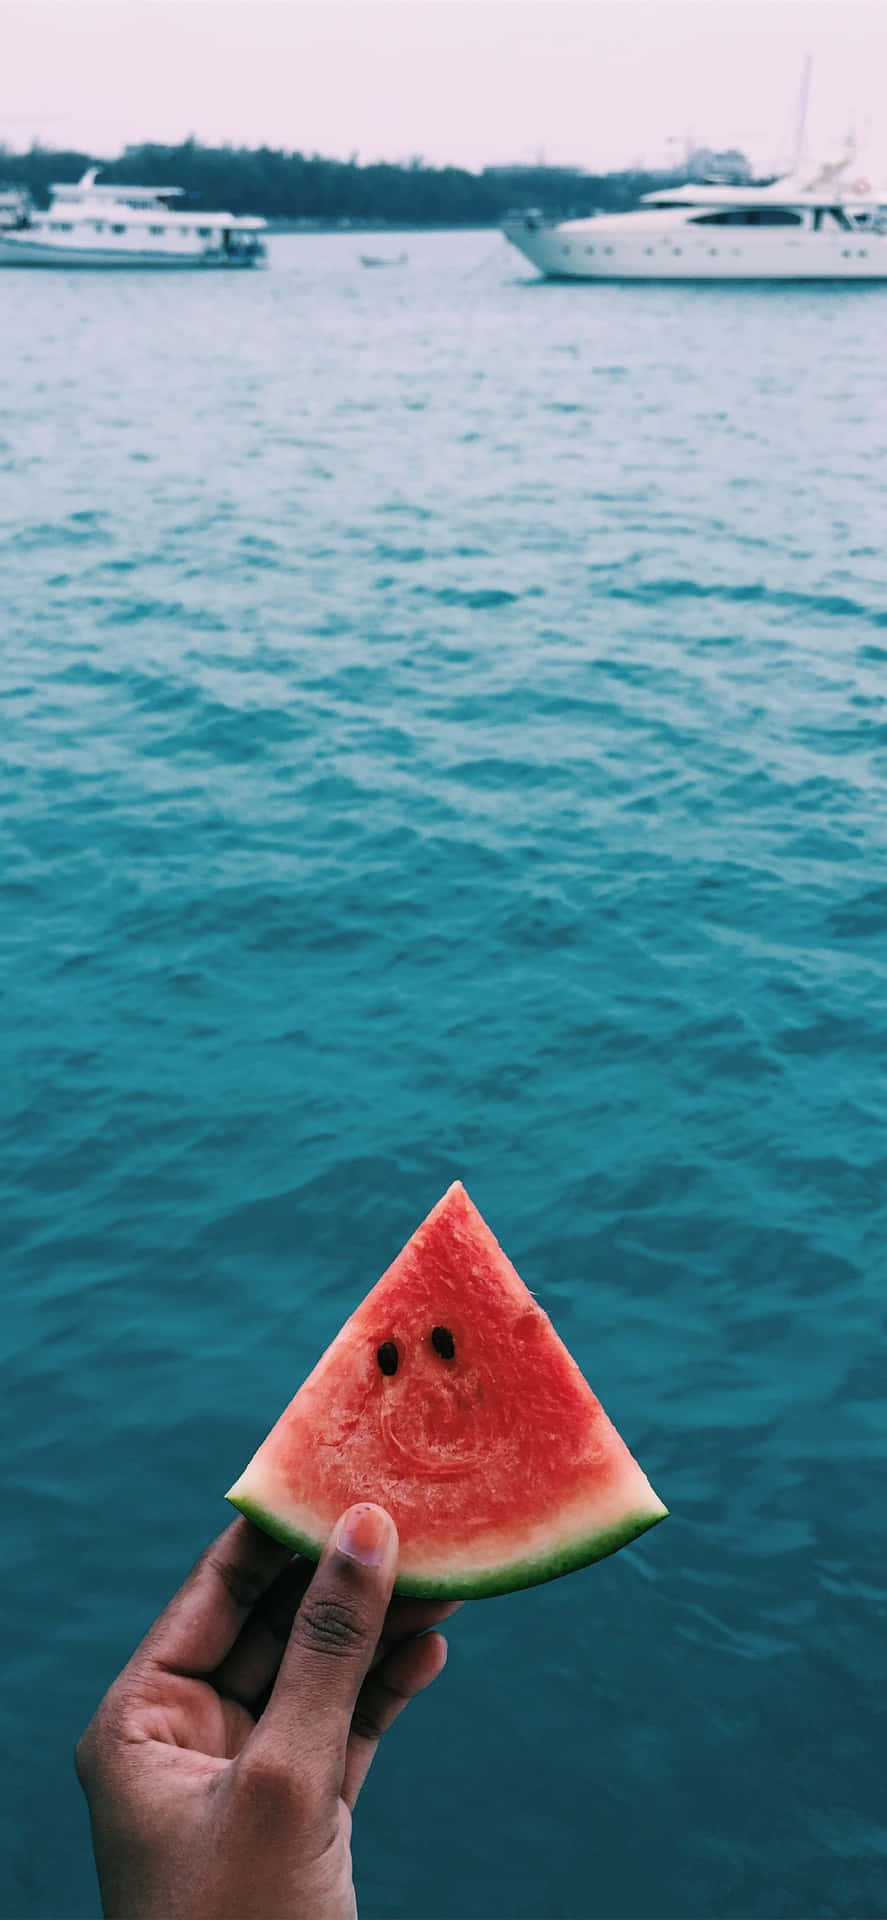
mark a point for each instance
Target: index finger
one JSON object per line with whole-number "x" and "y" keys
{"x": 202, "y": 1622}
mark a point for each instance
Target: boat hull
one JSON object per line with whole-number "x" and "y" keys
{"x": 560, "y": 255}
{"x": 22, "y": 253}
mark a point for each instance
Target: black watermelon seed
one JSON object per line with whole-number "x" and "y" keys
{"x": 443, "y": 1342}
{"x": 387, "y": 1356}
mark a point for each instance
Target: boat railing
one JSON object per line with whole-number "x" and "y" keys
{"x": 529, "y": 219}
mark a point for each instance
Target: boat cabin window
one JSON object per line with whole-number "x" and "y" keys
{"x": 750, "y": 217}
{"x": 118, "y": 229}
{"x": 62, "y": 226}
{"x": 206, "y": 233}
{"x": 156, "y": 229}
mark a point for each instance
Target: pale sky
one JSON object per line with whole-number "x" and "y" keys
{"x": 593, "y": 83}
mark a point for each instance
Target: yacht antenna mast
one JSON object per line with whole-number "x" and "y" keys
{"x": 803, "y": 103}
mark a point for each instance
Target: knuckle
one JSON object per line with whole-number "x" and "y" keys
{"x": 330, "y": 1624}
{"x": 376, "y": 1708}
{"x": 120, "y": 1706}
{"x": 244, "y": 1585}
{"x": 106, "y": 1729}
{"x": 366, "y": 1724}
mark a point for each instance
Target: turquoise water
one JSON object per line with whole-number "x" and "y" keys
{"x": 445, "y": 733}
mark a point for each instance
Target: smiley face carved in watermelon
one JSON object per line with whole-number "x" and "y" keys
{"x": 449, "y": 1399}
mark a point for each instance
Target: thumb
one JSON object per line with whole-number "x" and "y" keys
{"x": 332, "y": 1642}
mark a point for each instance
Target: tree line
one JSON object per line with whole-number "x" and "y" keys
{"x": 309, "y": 189}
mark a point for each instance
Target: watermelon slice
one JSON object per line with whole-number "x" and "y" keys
{"x": 449, "y": 1398}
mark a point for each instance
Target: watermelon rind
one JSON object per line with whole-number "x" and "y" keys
{"x": 567, "y": 1557}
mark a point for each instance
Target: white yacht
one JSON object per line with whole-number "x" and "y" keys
{"x": 96, "y": 226}
{"x": 828, "y": 223}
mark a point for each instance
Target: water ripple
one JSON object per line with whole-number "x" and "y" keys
{"x": 444, "y": 732}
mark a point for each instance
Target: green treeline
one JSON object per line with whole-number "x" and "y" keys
{"x": 307, "y": 188}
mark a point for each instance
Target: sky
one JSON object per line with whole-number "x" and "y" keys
{"x": 588, "y": 83}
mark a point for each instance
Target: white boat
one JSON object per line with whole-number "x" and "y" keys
{"x": 95, "y": 226}
{"x": 828, "y": 223}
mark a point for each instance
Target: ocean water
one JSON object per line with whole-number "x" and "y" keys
{"x": 444, "y": 732}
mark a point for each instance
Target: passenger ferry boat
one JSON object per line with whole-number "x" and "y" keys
{"x": 830, "y": 224}
{"x": 91, "y": 226}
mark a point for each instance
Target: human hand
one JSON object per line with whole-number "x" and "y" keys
{"x": 222, "y": 1767}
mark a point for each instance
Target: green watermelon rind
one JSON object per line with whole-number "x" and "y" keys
{"x": 565, "y": 1558}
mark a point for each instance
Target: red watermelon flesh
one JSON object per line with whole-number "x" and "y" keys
{"x": 449, "y": 1398}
